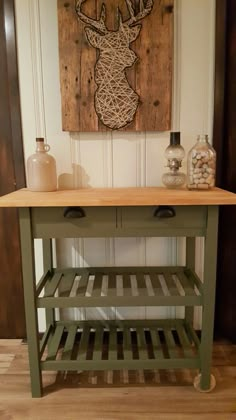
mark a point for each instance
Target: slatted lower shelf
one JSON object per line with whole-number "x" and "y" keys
{"x": 123, "y": 286}
{"x": 115, "y": 345}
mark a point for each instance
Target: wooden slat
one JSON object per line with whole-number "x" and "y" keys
{"x": 44, "y": 340}
{"x": 184, "y": 341}
{"x": 142, "y": 287}
{"x": 171, "y": 346}
{"x": 193, "y": 277}
{"x": 83, "y": 345}
{"x": 97, "y": 285}
{"x": 133, "y": 196}
{"x": 127, "y": 291}
{"x": 54, "y": 343}
{"x": 112, "y": 354}
{"x": 69, "y": 344}
{"x": 97, "y": 350}
{"x": 45, "y": 277}
{"x": 127, "y": 344}
{"x": 156, "y": 344}
{"x": 156, "y": 285}
{"x": 170, "y": 284}
{"x": 83, "y": 284}
{"x": 66, "y": 284}
{"x": 192, "y": 335}
{"x": 142, "y": 345}
{"x": 112, "y": 290}
{"x": 53, "y": 285}
{"x": 186, "y": 284}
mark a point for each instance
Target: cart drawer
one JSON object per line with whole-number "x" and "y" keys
{"x": 52, "y": 222}
{"x": 185, "y": 217}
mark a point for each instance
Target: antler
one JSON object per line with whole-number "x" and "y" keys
{"x": 143, "y": 11}
{"x": 98, "y": 24}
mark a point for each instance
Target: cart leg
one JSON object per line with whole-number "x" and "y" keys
{"x": 190, "y": 263}
{"x": 28, "y": 268}
{"x": 47, "y": 265}
{"x": 209, "y": 286}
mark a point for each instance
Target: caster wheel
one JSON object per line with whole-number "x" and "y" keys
{"x": 197, "y": 380}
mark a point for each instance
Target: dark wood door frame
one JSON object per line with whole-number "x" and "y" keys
{"x": 224, "y": 140}
{"x": 12, "y": 177}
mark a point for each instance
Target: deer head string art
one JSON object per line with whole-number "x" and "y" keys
{"x": 116, "y": 102}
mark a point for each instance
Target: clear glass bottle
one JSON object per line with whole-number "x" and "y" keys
{"x": 41, "y": 169}
{"x": 201, "y": 165}
{"x": 174, "y": 154}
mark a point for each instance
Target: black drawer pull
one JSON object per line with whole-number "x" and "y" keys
{"x": 74, "y": 212}
{"x": 164, "y": 212}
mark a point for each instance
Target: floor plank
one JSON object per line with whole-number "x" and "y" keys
{"x": 129, "y": 395}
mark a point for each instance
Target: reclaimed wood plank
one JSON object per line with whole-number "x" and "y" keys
{"x": 153, "y": 66}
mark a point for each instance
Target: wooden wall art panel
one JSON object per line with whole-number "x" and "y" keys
{"x": 115, "y": 64}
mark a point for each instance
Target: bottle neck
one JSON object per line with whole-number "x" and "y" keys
{"x": 42, "y": 147}
{"x": 203, "y": 139}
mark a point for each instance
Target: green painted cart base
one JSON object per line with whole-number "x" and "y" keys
{"x": 84, "y": 346}
{"x": 91, "y": 345}
{"x": 120, "y": 286}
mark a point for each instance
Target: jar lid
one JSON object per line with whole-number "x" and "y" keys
{"x": 174, "y": 138}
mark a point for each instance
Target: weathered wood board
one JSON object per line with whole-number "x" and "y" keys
{"x": 150, "y": 76}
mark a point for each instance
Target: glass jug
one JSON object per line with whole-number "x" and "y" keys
{"x": 41, "y": 169}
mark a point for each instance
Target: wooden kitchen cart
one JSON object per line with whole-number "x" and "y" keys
{"x": 119, "y": 212}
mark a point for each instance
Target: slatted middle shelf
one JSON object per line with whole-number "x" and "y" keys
{"x": 123, "y": 286}
{"x": 105, "y": 345}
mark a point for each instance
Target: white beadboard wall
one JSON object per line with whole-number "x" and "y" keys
{"x": 114, "y": 159}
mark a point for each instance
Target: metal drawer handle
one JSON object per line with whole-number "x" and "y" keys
{"x": 164, "y": 212}
{"x": 74, "y": 212}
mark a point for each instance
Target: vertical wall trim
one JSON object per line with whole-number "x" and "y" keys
{"x": 211, "y": 87}
{"x": 176, "y": 83}
{"x": 37, "y": 68}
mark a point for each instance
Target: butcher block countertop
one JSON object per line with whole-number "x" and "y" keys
{"x": 117, "y": 197}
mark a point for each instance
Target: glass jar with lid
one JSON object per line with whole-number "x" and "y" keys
{"x": 41, "y": 169}
{"x": 201, "y": 165}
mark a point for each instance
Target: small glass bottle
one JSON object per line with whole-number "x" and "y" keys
{"x": 174, "y": 154}
{"x": 201, "y": 165}
{"x": 41, "y": 169}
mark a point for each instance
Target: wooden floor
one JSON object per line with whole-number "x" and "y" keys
{"x": 115, "y": 395}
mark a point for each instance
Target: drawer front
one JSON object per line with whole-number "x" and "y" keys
{"x": 50, "y": 222}
{"x": 186, "y": 218}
